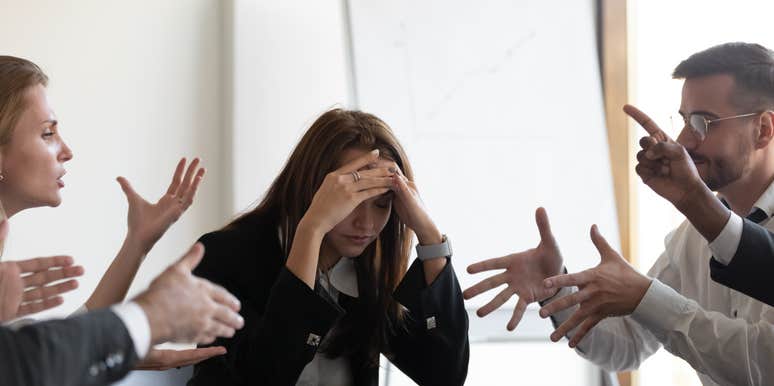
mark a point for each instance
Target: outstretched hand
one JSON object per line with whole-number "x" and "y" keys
{"x": 166, "y": 359}
{"x": 34, "y": 285}
{"x": 612, "y": 288}
{"x": 147, "y": 222}
{"x": 524, "y": 274}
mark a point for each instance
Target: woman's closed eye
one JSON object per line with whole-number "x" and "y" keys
{"x": 384, "y": 201}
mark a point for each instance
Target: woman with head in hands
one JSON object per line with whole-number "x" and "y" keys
{"x": 321, "y": 267}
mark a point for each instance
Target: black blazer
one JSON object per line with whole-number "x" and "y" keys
{"x": 751, "y": 269}
{"x": 91, "y": 349}
{"x": 282, "y": 316}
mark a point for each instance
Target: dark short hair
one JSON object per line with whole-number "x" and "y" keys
{"x": 750, "y": 65}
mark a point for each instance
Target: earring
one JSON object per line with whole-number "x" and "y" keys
{"x": 2, "y": 177}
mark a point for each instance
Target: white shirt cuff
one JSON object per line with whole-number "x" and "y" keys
{"x": 661, "y": 309}
{"x": 137, "y": 324}
{"x": 724, "y": 246}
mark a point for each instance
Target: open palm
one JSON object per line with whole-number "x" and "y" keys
{"x": 147, "y": 222}
{"x": 523, "y": 273}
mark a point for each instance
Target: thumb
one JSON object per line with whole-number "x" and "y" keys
{"x": 4, "y": 228}
{"x": 192, "y": 258}
{"x": 544, "y": 226}
{"x": 126, "y": 187}
{"x": 602, "y": 246}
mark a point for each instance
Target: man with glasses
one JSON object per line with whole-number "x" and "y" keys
{"x": 617, "y": 317}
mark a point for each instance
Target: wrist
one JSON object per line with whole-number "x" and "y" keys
{"x": 160, "y": 330}
{"x": 695, "y": 198}
{"x": 136, "y": 244}
{"x": 705, "y": 211}
{"x": 310, "y": 229}
{"x": 641, "y": 285}
{"x": 429, "y": 235}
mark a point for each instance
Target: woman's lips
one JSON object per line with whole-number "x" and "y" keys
{"x": 60, "y": 183}
{"x": 360, "y": 240}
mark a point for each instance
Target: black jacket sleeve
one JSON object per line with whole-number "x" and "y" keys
{"x": 752, "y": 266}
{"x": 433, "y": 348}
{"x": 91, "y": 349}
{"x": 280, "y": 336}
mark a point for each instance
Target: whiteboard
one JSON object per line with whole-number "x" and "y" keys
{"x": 499, "y": 106}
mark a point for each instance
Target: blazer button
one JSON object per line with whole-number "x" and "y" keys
{"x": 313, "y": 340}
{"x": 431, "y": 324}
{"x": 93, "y": 370}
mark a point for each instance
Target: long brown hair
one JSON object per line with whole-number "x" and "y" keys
{"x": 363, "y": 330}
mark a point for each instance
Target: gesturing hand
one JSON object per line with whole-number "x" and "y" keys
{"x": 612, "y": 288}
{"x": 344, "y": 189}
{"x": 148, "y": 222}
{"x": 524, "y": 274}
{"x": 24, "y": 284}
{"x": 663, "y": 164}
{"x": 186, "y": 309}
{"x": 166, "y": 359}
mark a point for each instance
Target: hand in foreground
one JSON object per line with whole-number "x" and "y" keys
{"x": 612, "y": 288}
{"x": 148, "y": 222}
{"x": 183, "y": 308}
{"x": 663, "y": 164}
{"x": 524, "y": 274}
{"x": 26, "y": 285}
{"x": 166, "y": 359}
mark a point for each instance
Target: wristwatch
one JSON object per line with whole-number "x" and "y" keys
{"x": 434, "y": 251}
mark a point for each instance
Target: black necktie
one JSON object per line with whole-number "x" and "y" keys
{"x": 757, "y": 216}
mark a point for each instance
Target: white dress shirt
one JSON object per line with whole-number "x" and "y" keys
{"x": 323, "y": 370}
{"x": 726, "y": 336}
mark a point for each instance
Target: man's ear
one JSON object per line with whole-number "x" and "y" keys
{"x": 762, "y": 140}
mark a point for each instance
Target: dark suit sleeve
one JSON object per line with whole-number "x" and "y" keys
{"x": 277, "y": 342}
{"x": 433, "y": 347}
{"x": 752, "y": 267}
{"x": 91, "y": 349}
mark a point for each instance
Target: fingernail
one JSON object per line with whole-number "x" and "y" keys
{"x": 548, "y": 283}
{"x": 375, "y": 151}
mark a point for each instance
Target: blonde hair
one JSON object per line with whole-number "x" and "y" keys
{"x": 17, "y": 75}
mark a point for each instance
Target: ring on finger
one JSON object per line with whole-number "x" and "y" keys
{"x": 356, "y": 175}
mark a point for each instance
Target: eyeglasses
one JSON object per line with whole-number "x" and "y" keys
{"x": 700, "y": 123}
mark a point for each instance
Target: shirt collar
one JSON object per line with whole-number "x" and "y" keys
{"x": 766, "y": 201}
{"x": 343, "y": 277}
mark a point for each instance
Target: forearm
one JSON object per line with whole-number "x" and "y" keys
{"x": 729, "y": 350}
{"x": 305, "y": 253}
{"x": 705, "y": 211}
{"x": 114, "y": 285}
{"x": 433, "y": 348}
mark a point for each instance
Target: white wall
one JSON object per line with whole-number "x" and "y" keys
{"x": 289, "y": 66}
{"x": 136, "y": 85}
